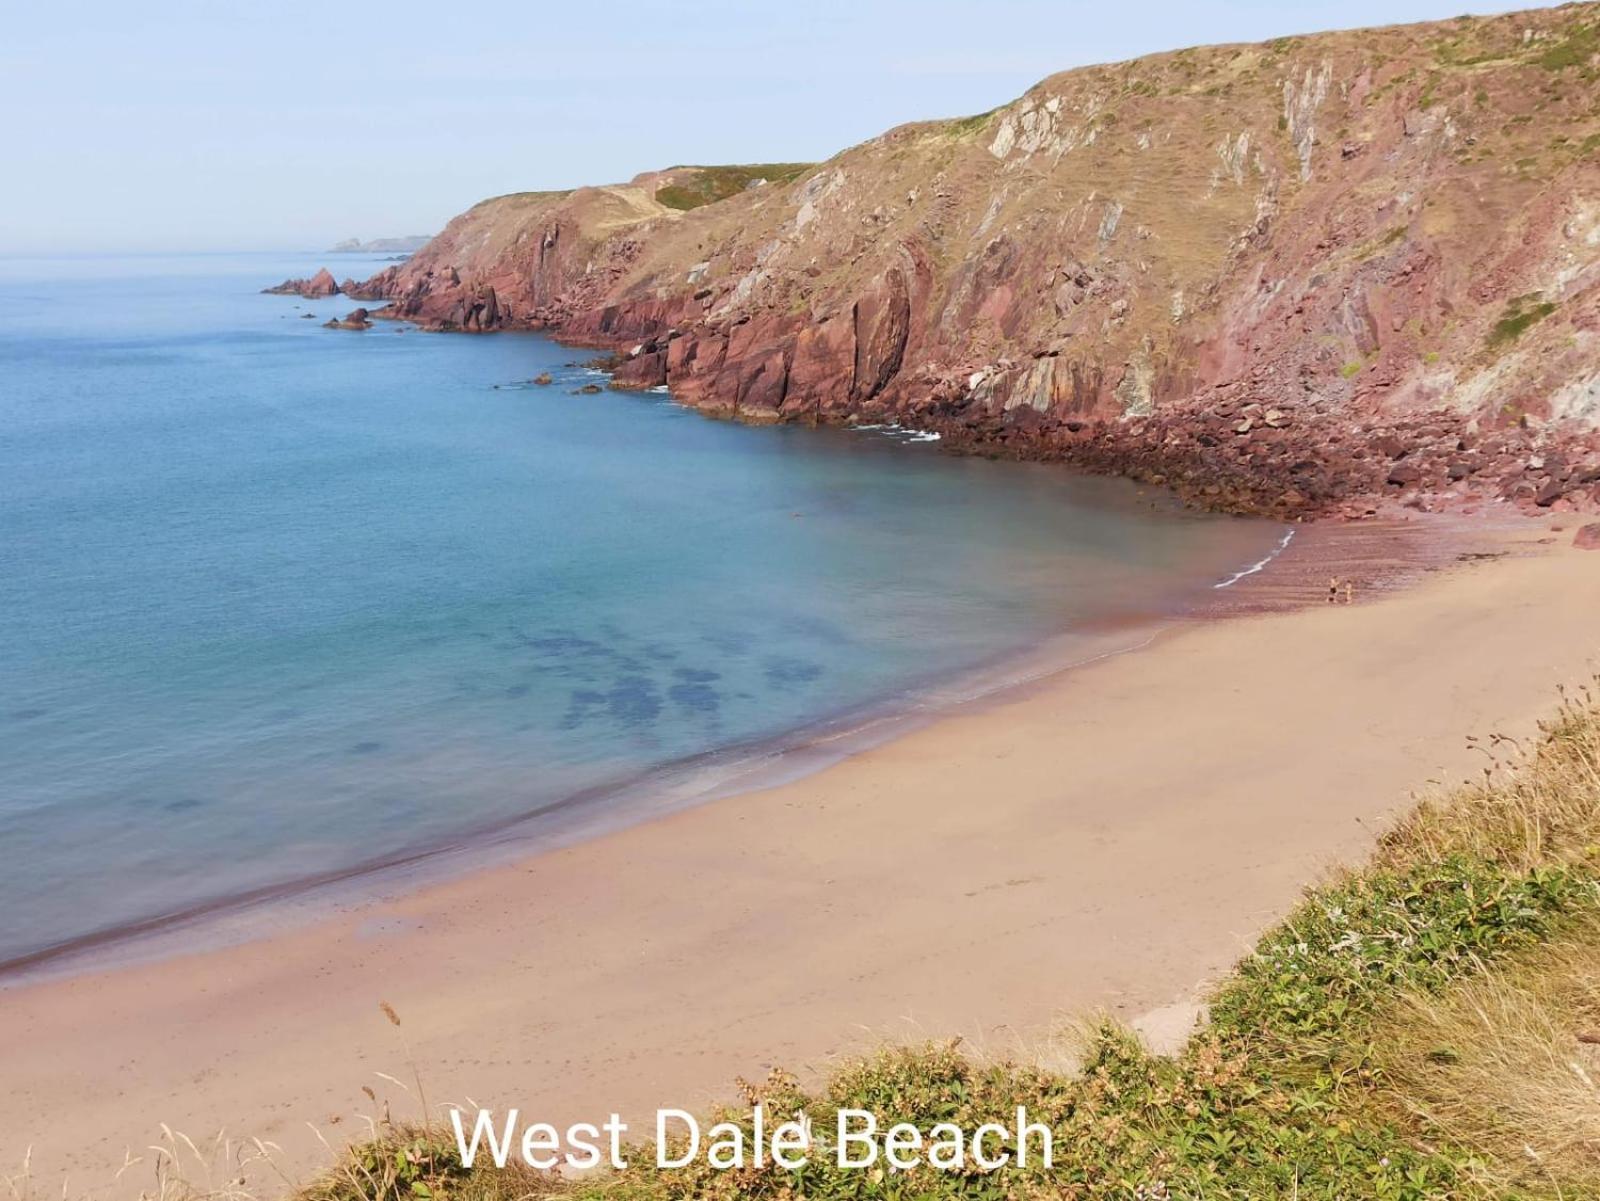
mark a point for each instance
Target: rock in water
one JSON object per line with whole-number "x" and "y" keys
{"x": 354, "y": 319}
{"x": 318, "y": 286}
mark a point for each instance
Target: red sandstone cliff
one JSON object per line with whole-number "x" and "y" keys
{"x": 1280, "y": 277}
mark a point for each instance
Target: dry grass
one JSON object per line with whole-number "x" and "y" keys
{"x": 173, "y": 1168}
{"x": 1535, "y": 806}
{"x": 1507, "y": 1064}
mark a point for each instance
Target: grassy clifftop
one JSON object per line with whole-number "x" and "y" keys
{"x": 692, "y": 187}
{"x": 1422, "y": 1028}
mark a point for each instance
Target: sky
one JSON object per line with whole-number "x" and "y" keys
{"x": 241, "y": 125}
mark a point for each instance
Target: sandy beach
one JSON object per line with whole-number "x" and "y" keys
{"x": 1109, "y": 837}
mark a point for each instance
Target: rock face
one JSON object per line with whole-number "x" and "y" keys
{"x": 318, "y": 286}
{"x": 1285, "y": 277}
{"x": 1588, "y": 537}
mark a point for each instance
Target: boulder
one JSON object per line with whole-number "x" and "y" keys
{"x": 648, "y": 369}
{"x": 1587, "y": 537}
{"x": 354, "y": 319}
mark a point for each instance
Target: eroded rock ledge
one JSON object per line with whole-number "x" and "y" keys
{"x": 1218, "y": 449}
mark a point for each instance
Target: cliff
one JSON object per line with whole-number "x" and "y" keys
{"x": 1279, "y": 277}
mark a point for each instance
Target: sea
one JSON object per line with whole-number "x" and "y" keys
{"x": 283, "y": 605}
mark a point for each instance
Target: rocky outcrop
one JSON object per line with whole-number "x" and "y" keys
{"x": 1288, "y": 277}
{"x": 318, "y": 286}
{"x": 354, "y": 319}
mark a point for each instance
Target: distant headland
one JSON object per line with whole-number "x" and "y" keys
{"x": 406, "y": 245}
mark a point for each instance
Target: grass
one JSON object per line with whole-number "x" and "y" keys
{"x": 1524, "y": 1038}
{"x": 710, "y": 184}
{"x": 960, "y": 127}
{"x": 1416, "y": 1029}
{"x": 1575, "y": 50}
{"x": 1519, "y": 315}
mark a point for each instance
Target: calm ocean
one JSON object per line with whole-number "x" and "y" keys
{"x": 277, "y": 601}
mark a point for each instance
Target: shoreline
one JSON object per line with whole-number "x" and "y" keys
{"x": 716, "y": 774}
{"x": 886, "y": 895}
{"x": 606, "y": 808}
{"x": 611, "y": 805}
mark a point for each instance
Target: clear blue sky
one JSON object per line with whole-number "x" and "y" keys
{"x": 243, "y": 124}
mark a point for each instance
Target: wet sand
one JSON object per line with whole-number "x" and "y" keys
{"x": 1108, "y": 837}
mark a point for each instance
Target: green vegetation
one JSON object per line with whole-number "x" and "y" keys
{"x": 1415, "y": 1030}
{"x": 1352, "y": 368}
{"x": 710, "y": 184}
{"x": 1575, "y": 50}
{"x": 1519, "y": 314}
{"x": 961, "y": 127}
{"x": 1426, "y": 100}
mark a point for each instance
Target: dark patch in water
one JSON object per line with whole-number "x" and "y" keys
{"x": 366, "y": 748}
{"x": 697, "y": 698}
{"x": 580, "y": 704}
{"x": 516, "y": 692}
{"x": 696, "y": 675}
{"x": 182, "y": 804}
{"x": 787, "y": 673}
{"x": 27, "y": 714}
{"x": 566, "y": 644}
{"x": 634, "y": 700}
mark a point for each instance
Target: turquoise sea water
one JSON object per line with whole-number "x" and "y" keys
{"x": 277, "y": 601}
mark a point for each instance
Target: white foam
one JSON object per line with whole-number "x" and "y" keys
{"x": 1259, "y": 565}
{"x": 895, "y": 430}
